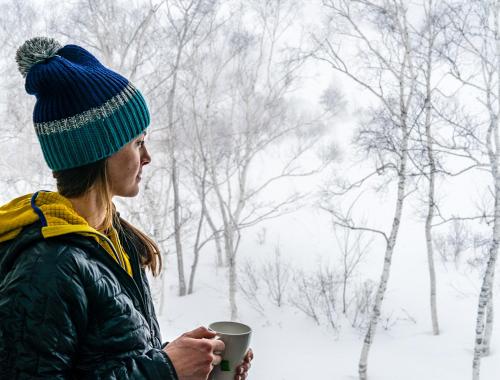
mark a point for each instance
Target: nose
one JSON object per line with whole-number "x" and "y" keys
{"x": 145, "y": 156}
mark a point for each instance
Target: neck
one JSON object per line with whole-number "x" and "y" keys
{"x": 90, "y": 207}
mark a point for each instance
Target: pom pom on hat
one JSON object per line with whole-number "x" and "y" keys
{"x": 35, "y": 50}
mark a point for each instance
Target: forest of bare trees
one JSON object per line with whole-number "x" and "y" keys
{"x": 233, "y": 123}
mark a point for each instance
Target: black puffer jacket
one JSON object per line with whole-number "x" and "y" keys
{"x": 69, "y": 311}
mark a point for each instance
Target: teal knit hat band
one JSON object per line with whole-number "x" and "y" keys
{"x": 84, "y": 112}
{"x": 94, "y": 134}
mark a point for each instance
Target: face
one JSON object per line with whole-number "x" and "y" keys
{"x": 124, "y": 168}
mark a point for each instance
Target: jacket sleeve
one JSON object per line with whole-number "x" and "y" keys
{"x": 43, "y": 311}
{"x": 154, "y": 364}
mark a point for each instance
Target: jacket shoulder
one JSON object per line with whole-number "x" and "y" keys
{"x": 30, "y": 249}
{"x": 51, "y": 251}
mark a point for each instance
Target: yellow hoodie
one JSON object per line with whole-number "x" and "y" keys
{"x": 58, "y": 218}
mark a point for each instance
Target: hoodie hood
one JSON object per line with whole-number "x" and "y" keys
{"x": 57, "y": 217}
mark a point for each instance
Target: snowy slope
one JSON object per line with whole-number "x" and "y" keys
{"x": 289, "y": 346}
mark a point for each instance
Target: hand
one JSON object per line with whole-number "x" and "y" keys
{"x": 195, "y": 353}
{"x": 242, "y": 369}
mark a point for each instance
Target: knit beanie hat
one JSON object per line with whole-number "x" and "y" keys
{"x": 84, "y": 112}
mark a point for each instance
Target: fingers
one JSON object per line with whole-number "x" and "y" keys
{"x": 206, "y": 346}
{"x": 218, "y": 345}
{"x": 216, "y": 359}
{"x": 195, "y": 353}
{"x": 216, "y": 348}
{"x": 201, "y": 332}
{"x": 211, "y": 349}
{"x": 243, "y": 368}
{"x": 249, "y": 356}
{"x": 241, "y": 372}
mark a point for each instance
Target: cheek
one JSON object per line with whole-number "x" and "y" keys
{"x": 115, "y": 175}
{"x": 124, "y": 166}
{"x": 135, "y": 163}
{"x": 131, "y": 167}
{"x": 129, "y": 162}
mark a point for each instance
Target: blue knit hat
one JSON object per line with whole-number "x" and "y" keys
{"x": 84, "y": 112}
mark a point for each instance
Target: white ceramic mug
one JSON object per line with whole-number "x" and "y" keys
{"x": 236, "y": 337}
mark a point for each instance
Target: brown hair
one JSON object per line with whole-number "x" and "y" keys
{"x": 77, "y": 181}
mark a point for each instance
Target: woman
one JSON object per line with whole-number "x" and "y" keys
{"x": 74, "y": 298}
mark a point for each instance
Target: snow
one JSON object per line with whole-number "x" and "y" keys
{"x": 289, "y": 346}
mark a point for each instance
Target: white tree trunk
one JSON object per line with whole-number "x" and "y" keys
{"x": 229, "y": 234}
{"x": 232, "y": 288}
{"x": 217, "y": 234}
{"x": 482, "y": 340}
{"x": 489, "y": 325}
{"x": 363, "y": 362}
{"x": 218, "y": 248}
{"x": 404, "y": 103}
{"x": 490, "y": 310}
{"x": 230, "y": 251}
{"x": 484, "y": 320}
{"x": 485, "y": 301}
{"x": 194, "y": 265}
{"x": 432, "y": 171}
{"x": 177, "y": 230}
{"x": 171, "y": 146}
{"x": 430, "y": 257}
{"x": 163, "y": 286}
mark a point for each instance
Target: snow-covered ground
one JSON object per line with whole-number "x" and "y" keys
{"x": 289, "y": 346}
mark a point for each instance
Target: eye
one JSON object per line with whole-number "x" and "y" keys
{"x": 140, "y": 143}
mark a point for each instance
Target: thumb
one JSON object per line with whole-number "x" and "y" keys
{"x": 201, "y": 332}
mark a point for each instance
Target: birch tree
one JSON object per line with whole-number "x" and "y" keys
{"x": 386, "y": 72}
{"x": 187, "y": 25}
{"x": 198, "y": 169}
{"x": 250, "y": 118}
{"x": 476, "y": 37}
{"x": 434, "y": 150}
{"x": 429, "y": 36}
{"x": 200, "y": 86}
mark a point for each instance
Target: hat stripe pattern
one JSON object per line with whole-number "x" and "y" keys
{"x": 82, "y": 119}
{"x": 84, "y": 112}
{"x": 97, "y": 138}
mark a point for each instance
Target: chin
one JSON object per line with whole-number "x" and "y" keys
{"x": 128, "y": 193}
{"x": 133, "y": 193}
